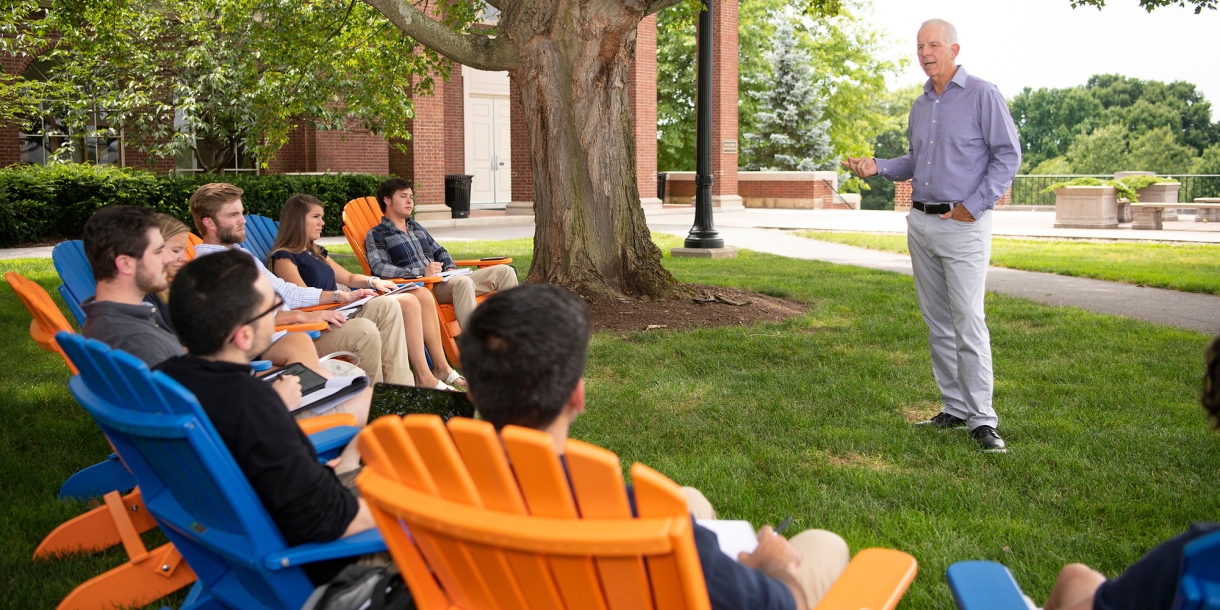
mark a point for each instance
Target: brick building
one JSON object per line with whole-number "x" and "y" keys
{"x": 472, "y": 124}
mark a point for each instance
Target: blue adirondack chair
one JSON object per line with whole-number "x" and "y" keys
{"x": 193, "y": 488}
{"x": 76, "y": 275}
{"x": 984, "y": 585}
{"x": 260, "y": 236}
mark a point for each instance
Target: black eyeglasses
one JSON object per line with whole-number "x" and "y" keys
{"x": 276, "y": 303}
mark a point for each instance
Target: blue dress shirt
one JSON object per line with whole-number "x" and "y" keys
{"x": 964, "y": 145}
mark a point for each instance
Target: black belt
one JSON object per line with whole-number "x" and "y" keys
{"x": 935, "y": 208}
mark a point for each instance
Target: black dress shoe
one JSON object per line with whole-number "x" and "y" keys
{"x": 943, "y": 421}
{"x": 988, "y": 439}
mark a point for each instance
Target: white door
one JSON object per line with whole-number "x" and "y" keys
{"x": 504, "y": 153}
{"x": 489, "y": 150}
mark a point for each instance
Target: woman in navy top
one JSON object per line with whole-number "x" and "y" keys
{"x": 296, "y": 257}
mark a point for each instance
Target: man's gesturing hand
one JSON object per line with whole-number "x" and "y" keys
{"x": 777, "y": 558}
{"x": 862, "y": 166}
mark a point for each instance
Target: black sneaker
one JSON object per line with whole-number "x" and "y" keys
{"x": 943, "y": 421}
{"x": 988, "y": 439}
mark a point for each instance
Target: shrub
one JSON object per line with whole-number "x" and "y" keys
{"x": 55, "y": 201}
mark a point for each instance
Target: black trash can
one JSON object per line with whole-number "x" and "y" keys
{"x": 457, "y": 194}
{"x": 661, "y": 185}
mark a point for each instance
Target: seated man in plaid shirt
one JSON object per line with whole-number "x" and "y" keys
{"x": 400, "y": 248}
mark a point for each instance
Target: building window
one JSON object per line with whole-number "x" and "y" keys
{"x": 187, "y": 163}
{"x": 51, "y": 141}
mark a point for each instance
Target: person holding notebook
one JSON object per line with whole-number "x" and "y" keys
{"x": 297, "y": 258}
{"x": 524, "y": 352}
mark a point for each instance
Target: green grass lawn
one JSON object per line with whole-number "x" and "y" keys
{"x": 1186, "y": 267}
{"x": 1110, "y": 452}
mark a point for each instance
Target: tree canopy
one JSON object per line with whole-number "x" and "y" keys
{"x": 1149, "y": 5}
{"x": 1059, "y": 126}
{"x": 210, "y": 78}
{"x": 846, "y": 58}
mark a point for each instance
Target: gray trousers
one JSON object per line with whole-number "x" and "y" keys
{"x": 950, "y": 260}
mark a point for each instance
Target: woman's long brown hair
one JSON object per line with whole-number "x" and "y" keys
{"x": 292, "y": 236}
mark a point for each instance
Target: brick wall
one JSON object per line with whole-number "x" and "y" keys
{"x": 455, "y": 122}
{"x": 523, "y": 173}
{"x": 642, "y": 97}
{"x": 724, "y": 97}
{"x": 427, "y": 147}
{"x": 10, "y": 137}
{"x": 902, "y": 196}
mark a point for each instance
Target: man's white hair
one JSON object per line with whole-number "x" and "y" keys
{"x": 946, "y": 28}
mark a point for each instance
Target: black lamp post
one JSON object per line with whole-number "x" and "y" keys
{"x": 704, "y": 234}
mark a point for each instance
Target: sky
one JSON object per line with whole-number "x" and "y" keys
{"x": 1046, "y": 43}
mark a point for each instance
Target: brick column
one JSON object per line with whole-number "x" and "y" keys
{"x": 427, "y": 158}
{"x": 523, "y": 174}
{"x": 902, "y": 196}
{"x": 10, "y": 137}
{"x": 455, "y": 122}
{"x": 642, "y": 97}
{"x": 724, "y": 106}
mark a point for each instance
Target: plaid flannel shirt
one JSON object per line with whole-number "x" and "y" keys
{"x": 294, "y": 296}
{"x": 395, "y": 253}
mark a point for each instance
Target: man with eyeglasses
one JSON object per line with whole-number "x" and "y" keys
{"x": 227, "y": 311}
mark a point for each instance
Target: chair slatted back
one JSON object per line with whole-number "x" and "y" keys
{"x": 260, "y": 236}
{"x": 360, "y": 215}
{"x": 494, "y": 522}
{"x": 76, "y": 275}
{"x": 192, "y": 241}
{"x": 189, "y": 480}
{"x": 48, "y": 319}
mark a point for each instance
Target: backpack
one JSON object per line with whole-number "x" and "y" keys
{"x": 359, "y": 587}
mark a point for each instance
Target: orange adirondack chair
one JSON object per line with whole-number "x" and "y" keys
{"x": 122, "y": 518}
{"x": 484, "y": 534}
{"x": 362, "y": 214}
{"x": 48, "y": 319}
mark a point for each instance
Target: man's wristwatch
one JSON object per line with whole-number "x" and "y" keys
{"x": 371, "y": 278}
{"x": 335, "y": 295}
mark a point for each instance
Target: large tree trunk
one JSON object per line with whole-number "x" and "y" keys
{"x": 569, "y": 59}
{"x": 590, "y": 232}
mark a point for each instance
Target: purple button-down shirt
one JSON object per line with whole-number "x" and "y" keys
{"x": 964, "y": 146}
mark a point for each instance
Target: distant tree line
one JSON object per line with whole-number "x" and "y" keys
{"x": 1114, "y": 123}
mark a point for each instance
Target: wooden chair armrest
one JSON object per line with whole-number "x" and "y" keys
{"x": 474, "y": 262}
{"x": 875, "y": 579}
{"x": 302, "y": 327}
{"x": 325, "y": 422}
{"x": 320, "y": 307}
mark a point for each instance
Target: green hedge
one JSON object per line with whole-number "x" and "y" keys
{"x": 39, "y": 202}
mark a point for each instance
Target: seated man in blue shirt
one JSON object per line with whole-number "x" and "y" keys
{"x": 524, "y": 352}
{"x": 1152, "y": 582}
{"x": 399, "y": 247}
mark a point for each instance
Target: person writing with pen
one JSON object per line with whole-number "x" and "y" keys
{"x": 524, "y": 353}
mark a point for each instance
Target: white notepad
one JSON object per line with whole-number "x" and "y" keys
{"x": 733, "y": 536}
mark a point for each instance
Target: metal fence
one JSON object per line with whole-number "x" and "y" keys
{"x": 1027, "y": 189}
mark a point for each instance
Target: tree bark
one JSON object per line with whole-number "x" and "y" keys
{"x": 571, "y": 63}
{"x": 590, "y": 232}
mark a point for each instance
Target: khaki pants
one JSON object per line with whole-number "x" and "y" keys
{"x": 825, "y": 554}
{"x": 376, "y": 335}
{"x": 460, "y": 290}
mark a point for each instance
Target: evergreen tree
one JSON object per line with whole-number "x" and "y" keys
{"x": 790, "y": 133}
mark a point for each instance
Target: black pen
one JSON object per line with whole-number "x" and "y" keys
{"x": 783, "y": 526}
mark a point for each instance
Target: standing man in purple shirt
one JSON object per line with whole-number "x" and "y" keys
{"x": 964, "y": 154}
